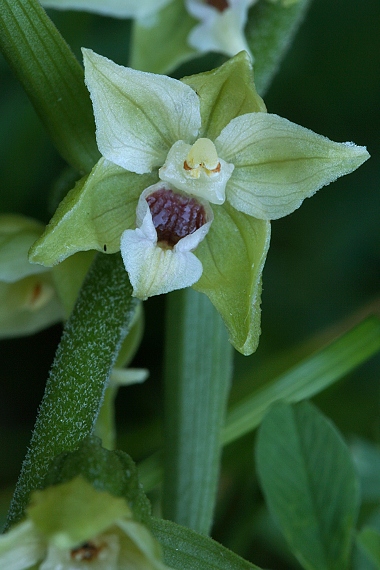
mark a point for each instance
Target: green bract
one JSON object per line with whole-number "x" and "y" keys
{"x": 72, "y": 525}
{"x": 29, "y": 301}
{"x": 203, "y": 145}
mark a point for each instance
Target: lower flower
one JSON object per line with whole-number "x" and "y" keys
{"x": 73, "y": 526}
{"x": 158, "y": 253}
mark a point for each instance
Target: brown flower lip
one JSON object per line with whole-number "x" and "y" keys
{"x": 174, "y": 215}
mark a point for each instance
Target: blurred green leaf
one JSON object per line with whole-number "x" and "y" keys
{"x": 366, "y": 456}
{"x": 307, "y": 378}
{"x": 188, "y": 550}
{"x": 309, "y": 483}
{"x": 269, "y": 32}
{"x": 369, "y": 540}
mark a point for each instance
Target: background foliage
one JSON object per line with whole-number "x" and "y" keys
{"x": 322, "y": 268}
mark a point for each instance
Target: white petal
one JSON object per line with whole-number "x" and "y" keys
{"x": 219, "y": 31}
{"x": 210, "y": 188}
{"x": 154, "y": 270}
{"x": 278, "y": 163}
{"x": 116, "y": 8}
{"x": 21, "y": 547}
{"x": 138, "y": 115}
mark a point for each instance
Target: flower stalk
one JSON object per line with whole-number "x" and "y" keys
{"x": 80, "y": 372}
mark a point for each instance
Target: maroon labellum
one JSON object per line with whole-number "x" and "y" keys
{"x": 175, "y": 215}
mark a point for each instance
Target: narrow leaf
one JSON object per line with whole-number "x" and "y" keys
{"x": 269, "y": 32}
{"x": 188, "y": 550}
{"x": 52, "y": 78}
{"x": 309, "y": 483}
{"x": 307, "y": 378}
{"x": 197, "y": 380}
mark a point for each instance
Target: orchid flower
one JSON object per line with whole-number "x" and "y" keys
{"x": 72, "y": 526}
{"x": 192, "y": 172}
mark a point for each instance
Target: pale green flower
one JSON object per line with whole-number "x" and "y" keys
{"x": 72, "y": 526}
{"x": 28, "y": 299}
{"x": 192, "y": 172}
{"x": 221, "y": 25}
{"x": 116, "y": 8}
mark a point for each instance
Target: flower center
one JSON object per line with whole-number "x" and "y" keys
{"x": 174, "y": 216}
{"x": 202, "y": 157}
{"x": 87, "y": 552}
{"x": 220, "y": 5}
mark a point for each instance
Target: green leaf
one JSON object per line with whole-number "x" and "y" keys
{"x": 269, "y": 33}
{"x": 159, "y": 45}
{"x": 225, "y": 93}
{"x": 93, "y": 215}
{"x": 52, "y": 78}
{"x": 306, "y": 378}
{"x": 309, "y": 483}
{"x": 369, "y": 540}
{"x": 188, "y": 550}
{"x": 198, "y": 367}
{"x": 233, "y": 255}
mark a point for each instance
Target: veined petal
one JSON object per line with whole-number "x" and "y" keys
{"x": 138, "y": 115}
{"x": 220, "y": 31}
{"x": 152, "y": 269}
{"x": 278, "y": 163}
{"x": 116, "y": 8}
{"x": 21, "y": 547}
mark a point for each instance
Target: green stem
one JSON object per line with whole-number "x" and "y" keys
{"x": 198, "y": 373}
{"x": 52, "y": 78}
{"x": 270, "y": 30}
{"x": 74, "y": 391}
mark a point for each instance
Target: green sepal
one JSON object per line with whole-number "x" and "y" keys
{"x": 17, "y": 234}
{"x": 28, "y": 299}
{"x": 233, "y": 255}
{"x": 93, "y": 215}
{"x": 28, "y": 306}
{"x": 225, "y": 93}
{"x": 111, "y": 471}
{"x": 69, "y": 514}
{"x": 159, "y": 45}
